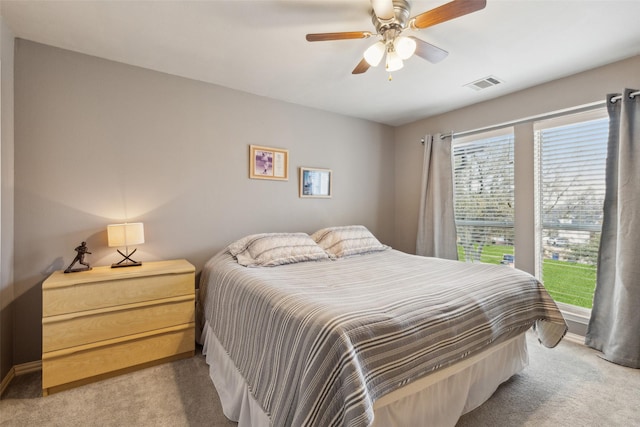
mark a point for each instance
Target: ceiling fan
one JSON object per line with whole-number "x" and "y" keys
{"x": 391, "y": 18}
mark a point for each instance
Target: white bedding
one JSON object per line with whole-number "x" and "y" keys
{"x": 437, "y": 400}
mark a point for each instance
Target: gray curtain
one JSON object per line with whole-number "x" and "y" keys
{"x": 436, "y": 222}
{"x": 614, "y": 327}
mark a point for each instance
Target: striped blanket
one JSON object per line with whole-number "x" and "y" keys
{"x": 318, "y": 342}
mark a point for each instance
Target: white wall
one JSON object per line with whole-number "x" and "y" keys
{"x": 580, "y": 89}
{"x": 98, "y": 142}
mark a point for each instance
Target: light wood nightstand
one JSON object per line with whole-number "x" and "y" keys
{"x": 108, "y": 321}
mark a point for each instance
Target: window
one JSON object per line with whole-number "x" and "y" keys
{"x": 570, "y": 184}
{"x": 484, "y": 197}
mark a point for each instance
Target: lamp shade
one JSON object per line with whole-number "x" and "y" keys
{"x": 126, "y": 234}
{"x": 404, "y": 46}
{"x": 373, "y": 55}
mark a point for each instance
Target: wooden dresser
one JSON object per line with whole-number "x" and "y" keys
{"x": 107, "y": 321}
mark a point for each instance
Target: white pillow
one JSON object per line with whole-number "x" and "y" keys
{"x": 347, "y": 240}
{"x": 270, "y": 249}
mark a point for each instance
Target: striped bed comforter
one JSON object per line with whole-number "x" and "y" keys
{"x": 319, "y": 342}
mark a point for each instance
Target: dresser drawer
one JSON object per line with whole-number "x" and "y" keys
{"x": 108, "y": 321}
{"x": 95, "y": 295}
{"x": 68, "y": 330}
{"x": 65, "y": 367}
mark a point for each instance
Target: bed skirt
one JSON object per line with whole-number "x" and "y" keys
{"x": 439, "y": 399}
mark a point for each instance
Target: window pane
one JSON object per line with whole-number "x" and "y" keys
{"x": 484, "y": 191}
{"x": 571, "y": 184}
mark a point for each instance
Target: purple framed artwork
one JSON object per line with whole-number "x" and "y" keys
{"x": 268, "y": 163}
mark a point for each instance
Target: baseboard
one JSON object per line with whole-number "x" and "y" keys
{"x": 27, "y": 368}
{"x": 574, "y": 338}
{"x": 7, "y": 380}
{"x": 17, "y": 370}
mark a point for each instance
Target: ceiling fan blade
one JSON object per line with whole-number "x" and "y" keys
{"x": 446, "y": 12}
{"x": 321, "y": 37}
{"x": 428, "y": 51}
{"x": 362, "y": 67}
{"x": 383, "y": 9}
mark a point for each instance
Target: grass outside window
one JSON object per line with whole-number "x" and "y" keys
{"x": 567, "y": 282}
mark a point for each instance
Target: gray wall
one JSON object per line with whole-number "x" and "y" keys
{"x": 6, "y": 200}
{"x": 98, "y": 142}
{"x": 580, "y": 89}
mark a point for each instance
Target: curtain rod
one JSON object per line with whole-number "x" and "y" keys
{"x": 615, "y": 99}
{"x": 581, "y": 109}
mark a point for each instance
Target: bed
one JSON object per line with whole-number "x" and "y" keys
{"x": 338, "y": 329}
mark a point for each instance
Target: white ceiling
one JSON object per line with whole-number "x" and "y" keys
{"x": 260, "y": 47}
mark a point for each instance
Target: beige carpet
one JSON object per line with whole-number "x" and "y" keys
{"x": 566, "y": 386}
{"x": 173, "y": 394}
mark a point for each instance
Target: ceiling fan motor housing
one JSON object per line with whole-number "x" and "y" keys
{"x": 402, "y": 12}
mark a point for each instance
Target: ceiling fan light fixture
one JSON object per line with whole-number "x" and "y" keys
{"x": 374, "y": 53}
{"x": 394, "y": 62}
{"x": 390, "y": 18}
{"x": 383, "y": 9}
{"x": 404, "y": 46}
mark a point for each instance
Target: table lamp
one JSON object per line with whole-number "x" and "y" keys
{"x": 126, "y": 234}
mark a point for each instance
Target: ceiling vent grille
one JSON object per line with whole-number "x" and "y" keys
{"x": 484, "y": 83}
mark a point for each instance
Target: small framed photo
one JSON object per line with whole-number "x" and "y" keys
{"x": 315, "y": 182}
{"x": 268, "y": 163}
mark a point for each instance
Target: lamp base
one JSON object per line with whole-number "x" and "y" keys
{"x": 127, "y": 264}
{"x": 126, "y": 261}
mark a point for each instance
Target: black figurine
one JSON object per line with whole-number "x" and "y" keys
{"x": 82, "y": 250}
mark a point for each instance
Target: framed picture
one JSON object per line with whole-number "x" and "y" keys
{"x": 315, "y": 182}
{"x": 268, "y": 163}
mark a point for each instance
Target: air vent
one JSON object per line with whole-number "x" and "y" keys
{"x": 484, "y": 83}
